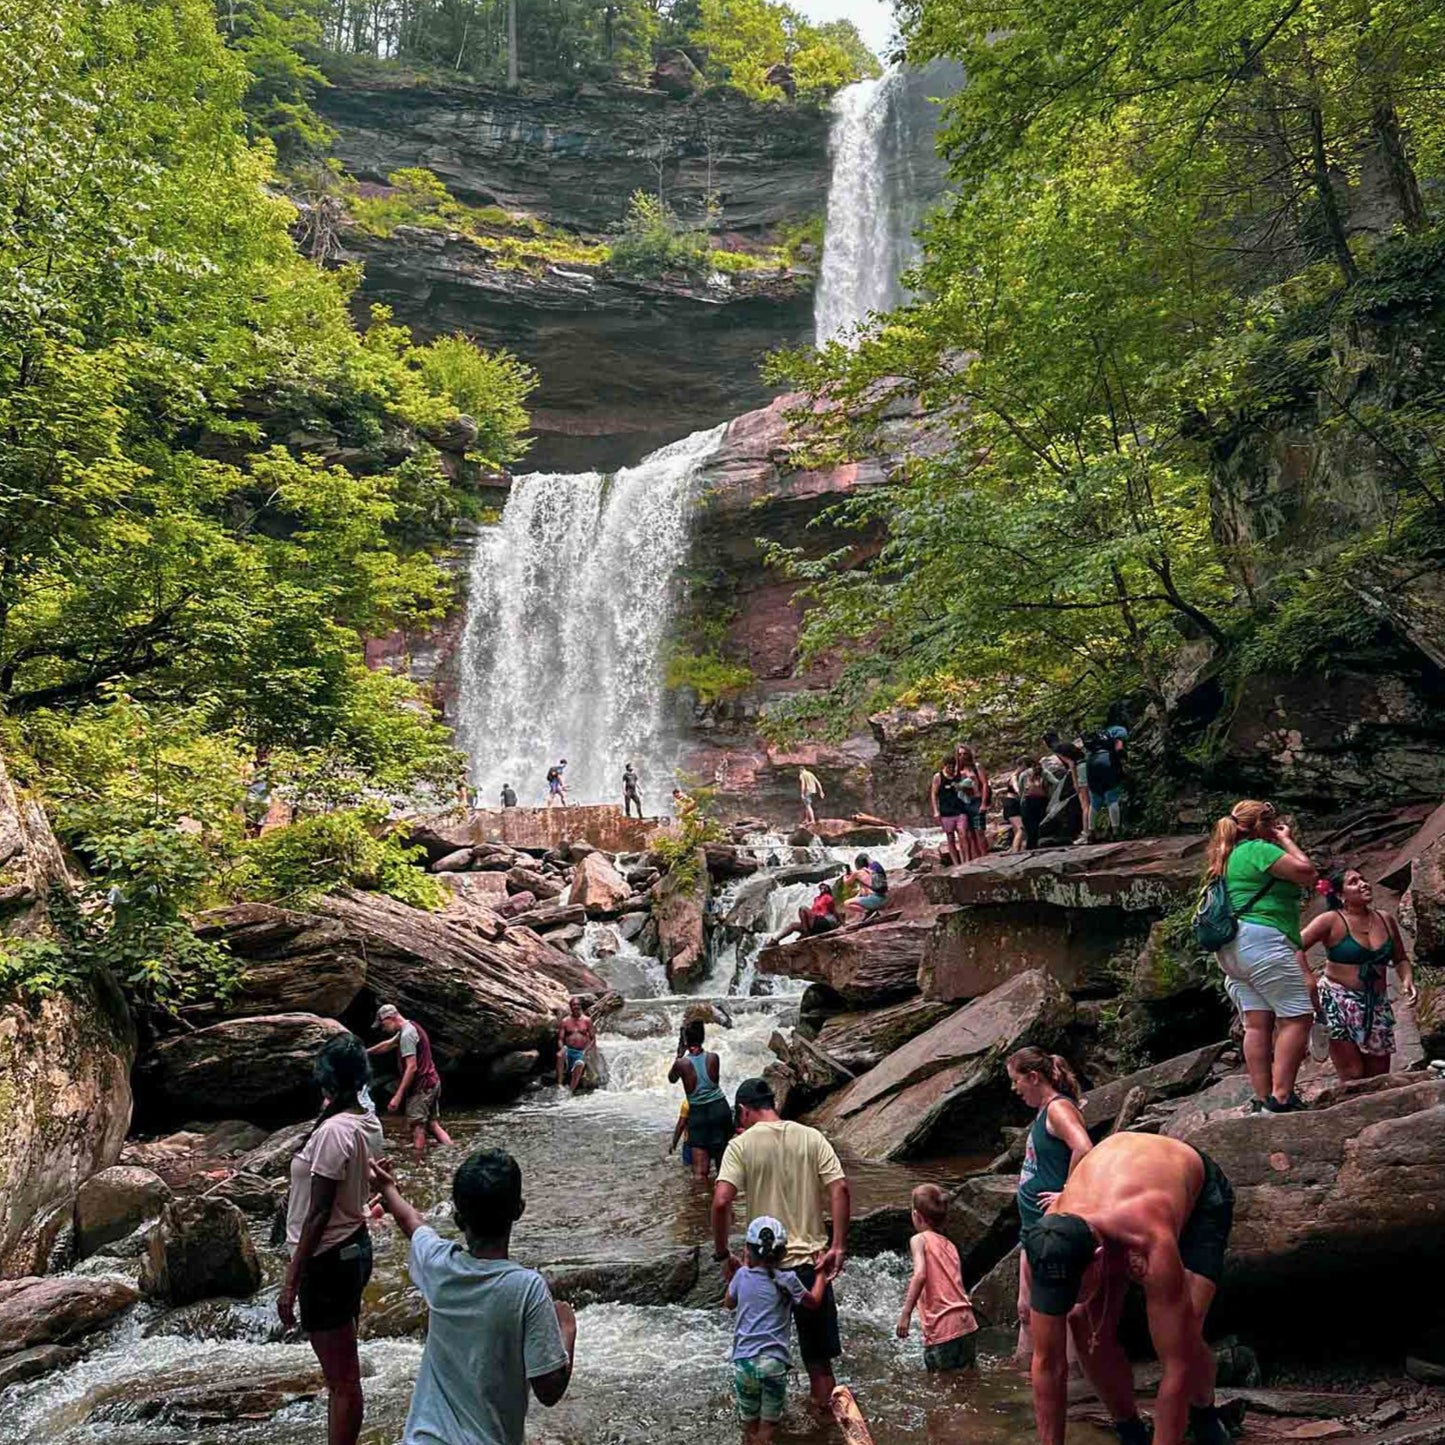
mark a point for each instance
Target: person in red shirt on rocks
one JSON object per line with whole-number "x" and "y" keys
{"x": 419, "y": 1089}
{"x": 820, "y": 916}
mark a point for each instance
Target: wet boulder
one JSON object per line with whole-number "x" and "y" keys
{"x": 114, "y": 1203}
{"x": 658, "y": 1277}
{"x": 259, "y": 1065}
{"x": 598, "y": 887}
{"x": 679, "y": 911}
{"x": 1066, "y": 911}
{"x": 852, "y": 833}
{"x": 996, "y": 1295}
{"x": 36, "y": 1361}
{"x": 457, "y": 862}
{"x": 726, "y": 861}
{"x": 1167, "y": 1080}
{"x": 872, "y": 963}
{"x": 58, "y": 1308}
{"x": 983, "y": 1223}
{"x": 1332, "y": 1200}
{"x": 201, "y": 1247}
{"x": 250, "y": 1193}
{"x": 861, "y": 1041}
{"x": 529, "y": 880}
{"x": 272, "y": 1157}
{"x": 946, "y": 1090}
{"x": 226, "y": 1388}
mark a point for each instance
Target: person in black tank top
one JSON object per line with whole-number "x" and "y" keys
{"x": 1057, "y": 1141}
{"x": 949, "y": 809}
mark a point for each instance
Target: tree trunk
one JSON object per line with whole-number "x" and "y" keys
{"x": 1405, "y": 188}
{"x": 1329, "y": 202}
{"x": 511, "y": 44}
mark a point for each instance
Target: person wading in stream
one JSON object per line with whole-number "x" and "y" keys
{"x": 789, "y": 1171}
{"x": 709, "y": 1119}
{"x": 1136, "y": 1207}
{"x": 326, "y": 1231}
{"x": 575, "y": 1035}
{"x": 493, "y": 1330}
{"x": 419, "y": 1090}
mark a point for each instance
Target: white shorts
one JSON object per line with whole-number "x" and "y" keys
{"x": 1261, "y": 975}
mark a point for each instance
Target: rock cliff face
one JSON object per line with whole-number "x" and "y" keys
{"x": 574, "y": 156}
{"x": 624, "y": 366}
{"x": 65, "y": 1097}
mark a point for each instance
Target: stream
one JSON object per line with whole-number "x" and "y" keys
{"x": 599, "y": 1183}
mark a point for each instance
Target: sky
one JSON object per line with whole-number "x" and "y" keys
{"x": 874, "y": 18}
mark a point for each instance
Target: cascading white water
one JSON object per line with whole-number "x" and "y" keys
{"x": 885, "y": 175}
{"x": 570, "y": 600}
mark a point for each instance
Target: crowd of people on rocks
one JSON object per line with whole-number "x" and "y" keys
{"x": 1093, "y": 1215}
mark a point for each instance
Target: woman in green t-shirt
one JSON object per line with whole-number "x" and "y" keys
{"x": 1275, "y": 993}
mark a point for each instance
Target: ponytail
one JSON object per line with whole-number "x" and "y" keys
{"x": 342, "y": 1071}
{"x": 1053, "y": 1067}
{"x": 1245, "y": 819}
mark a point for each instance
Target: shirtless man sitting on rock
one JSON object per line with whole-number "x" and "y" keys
{"x": 1141, "y": 1207}
{"x": 575, "y": 1036}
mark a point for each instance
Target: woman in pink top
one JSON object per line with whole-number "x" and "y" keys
{"x": 936, "y": 1289}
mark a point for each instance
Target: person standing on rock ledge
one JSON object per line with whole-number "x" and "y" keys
{"x": 420, "y": 1086}
{"x": 809, "y": 788}
{"x": 630, "y": 794}
{"x": 788, "y": 1170}
{"x": 557, "y": 785}
{"x": 1137, "y": 1207}
{"x": 509, "y": 796}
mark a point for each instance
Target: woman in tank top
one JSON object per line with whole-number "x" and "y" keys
{"x": 1360, "y": 944}
{"x": 1057, "y": 1141}
{"x": 709, "y": 1118}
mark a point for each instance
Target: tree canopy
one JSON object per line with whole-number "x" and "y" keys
{"x": 212, "y": 484}
{"x": 1169, "y": 223}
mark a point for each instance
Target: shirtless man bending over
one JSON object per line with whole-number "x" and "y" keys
{"x": 575, "y": 1036}
{"x": 1142, "y": 1207}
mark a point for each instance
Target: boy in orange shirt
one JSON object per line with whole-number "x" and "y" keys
{"x": 936, "y": 1289}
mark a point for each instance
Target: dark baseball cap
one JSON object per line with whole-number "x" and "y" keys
{"x": 1059, "y": 1249}
{"x": 754, "y": 1094}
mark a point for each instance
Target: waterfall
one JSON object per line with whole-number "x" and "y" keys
{"x": 570, "y": 599}
{"x": 886, "y": 173}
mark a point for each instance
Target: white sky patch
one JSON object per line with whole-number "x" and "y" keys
{"x": 874, "y": 18}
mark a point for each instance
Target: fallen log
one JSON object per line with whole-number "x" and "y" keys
{"x": 850, "y": 1417}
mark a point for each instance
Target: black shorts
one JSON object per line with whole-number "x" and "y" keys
{"x": 818, "y": 1339}
{"x": 1205, "y": 1236}
{"x": 329, "y": 1291}
{"x": 955, "y": 1354}
{"x": 710, "y": 1126}
{"x": 1011, "y": 808}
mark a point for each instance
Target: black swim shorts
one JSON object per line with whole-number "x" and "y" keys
{"x": 1205, "y": 1236}
{"x": 331, "y": 1284}
{"x": 818, "y": 1338}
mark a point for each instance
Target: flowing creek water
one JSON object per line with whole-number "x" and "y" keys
{"x": 600, "y": 1184}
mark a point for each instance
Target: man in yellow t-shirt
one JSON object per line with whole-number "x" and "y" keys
{"x": 809, "y": 788}
{"x": 789, "y": 1171}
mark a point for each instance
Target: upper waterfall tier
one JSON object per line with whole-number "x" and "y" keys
{"x": 886, "y": 173}
{"x": 570, "y": 599}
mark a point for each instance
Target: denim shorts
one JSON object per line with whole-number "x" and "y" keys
{"x": 1261, "y": 975}
{"x": 760, "y": 1387}
{"x": 1106, "y": 799}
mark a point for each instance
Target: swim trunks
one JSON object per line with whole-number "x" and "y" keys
{"x": 574, "y": 1057}
{"x": 1350, "y": 1019}
{"x": 760, "y": 1387}
{"x": 1205, "y": 1236}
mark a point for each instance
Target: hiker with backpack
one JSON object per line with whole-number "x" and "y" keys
{"x": 1248, "y": 915}
{"x": 557, "y": 785}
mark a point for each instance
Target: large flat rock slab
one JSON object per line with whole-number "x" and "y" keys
{"x": 1065, "y": 910}
{"x": 871, "y": 964}
{"x": 945, "y": 1090}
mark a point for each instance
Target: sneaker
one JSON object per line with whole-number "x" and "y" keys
{"x": 1082, "y": 838}
{"x": 1256, "y": 1106}
{"x": 1291, "y": 1105}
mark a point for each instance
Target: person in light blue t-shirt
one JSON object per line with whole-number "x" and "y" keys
{"x": 494, "y": 1330}
{"x": 763, "y": 1294}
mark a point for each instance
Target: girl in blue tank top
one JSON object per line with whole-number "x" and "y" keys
{"x": 1057, "y": 1141}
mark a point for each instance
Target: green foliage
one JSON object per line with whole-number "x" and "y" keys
{"x": 513, "y": 241}
{"x": 488, "y": 386}
{"x": 280, "y": 41}
{"x": 654, "y": 242}
{"x": 709, "y": 676}
{"x": 38, "y": 968}
{"x": 1150, "y": 261}
{"x": 744, "y": 39}
{"x": 678, "y": 851}
{"x": 801, "y": 242}
{"x": 347, "y": 849}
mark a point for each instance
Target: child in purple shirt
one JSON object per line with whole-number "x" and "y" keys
{"x": 764, "y": 1297}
